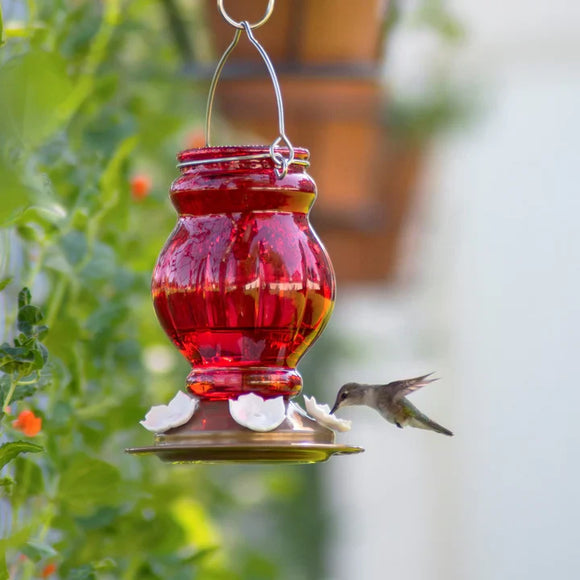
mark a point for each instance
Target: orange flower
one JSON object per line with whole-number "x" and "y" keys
{"x": 48, "y": 570}
{"x": 140, "y": 186}
{"x": 28, "y": 423}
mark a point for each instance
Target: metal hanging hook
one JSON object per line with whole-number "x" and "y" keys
{"x": 281, "y": 162}
{"x": 240, "y": 25}
{"x": 213, "y": 85}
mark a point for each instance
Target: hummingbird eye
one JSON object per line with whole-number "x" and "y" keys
{"x": 344, "y": 395}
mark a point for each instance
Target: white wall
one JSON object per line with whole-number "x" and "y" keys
{"x": 494, "y": 306}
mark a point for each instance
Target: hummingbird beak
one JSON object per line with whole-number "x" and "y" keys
{"x": 334, "y": 409}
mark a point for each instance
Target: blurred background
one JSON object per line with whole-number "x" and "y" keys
{"x": 444, "y": 141}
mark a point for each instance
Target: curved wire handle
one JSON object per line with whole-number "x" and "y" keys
{"x": 281, "y": 163}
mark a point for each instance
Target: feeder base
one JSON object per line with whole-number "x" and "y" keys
{"x": 245, "y": 454}
{"x": 212, "y": 436}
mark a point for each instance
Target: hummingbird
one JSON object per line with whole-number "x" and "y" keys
{"x": 390, "y": 401}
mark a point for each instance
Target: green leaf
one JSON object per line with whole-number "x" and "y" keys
{"x": 11, "y": 450}
{"x": 15, "y": 353}
{"x": 37, "y": 551}
{"x": 101, "y": 266}
{"x": 28, "y": 317}
{"x": 24, "y": 298}
{"x": 5, "y": 282}
{"x": 103, "y": 517}
{"x": 86, "y": 572}
{"x": 41, "y": 332}
{"x": 40, "y": 356}
{"x": 35, "y": 87}
{"x": 74, "y": 247}
{"x": 6, "y": 483}
{"x": 16, "y": 539}
{"x": 30, "y": 385}
{"x": 13, "y": 192}
{"x": 88, "y": 483}
{"x": 16, "y": 360}
{"x": 29, "y": 481}
{"x": 48, "y": 216}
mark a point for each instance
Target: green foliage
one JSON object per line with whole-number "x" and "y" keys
{"x": 22, "y": 362}
{"x": 32, "y": 109}
{"x": 431, "y": 14}
{"x": 87, "y": 482}
{"x": 436, "y": 15}
{"x": 36, "y": 551}
{"x": 9, "y": 451}
{"x": 5, "y": 282}
{"x": 414, "y": 118}
{"x": 89, "y": 96}
{"x": 417, "y": 119}
{"x": 27, "y": 354}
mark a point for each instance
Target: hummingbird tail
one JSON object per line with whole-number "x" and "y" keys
{"x": 424, "y": 422}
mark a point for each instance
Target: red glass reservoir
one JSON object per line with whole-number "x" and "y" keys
{"x": 243, "y": 286}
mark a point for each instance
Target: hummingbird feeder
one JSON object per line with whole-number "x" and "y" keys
{"x": 243, "y": 287}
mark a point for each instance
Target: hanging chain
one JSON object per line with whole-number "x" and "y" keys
{"x": 281, "y": 143}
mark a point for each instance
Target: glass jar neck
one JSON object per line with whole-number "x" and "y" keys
{"x": 238, "y": 158}
{"x": 240, "y": 179}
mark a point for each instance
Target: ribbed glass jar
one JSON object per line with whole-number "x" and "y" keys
{"x": 243, "y": 286}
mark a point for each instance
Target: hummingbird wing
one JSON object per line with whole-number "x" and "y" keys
{"x": 401, "y": 389}
{"x": 415, "y": 418}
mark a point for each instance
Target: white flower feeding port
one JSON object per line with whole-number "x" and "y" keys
{"x": 161, "y": 418}
{"x": 322, "y": 414}
{"x": 256, "y": 413}
{"x": 250, "y": 411}
{"x": 299, "y": 436}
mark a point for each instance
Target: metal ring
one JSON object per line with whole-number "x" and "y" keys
{"x": 256, "y": 156}
{"x": 236, "y": 24}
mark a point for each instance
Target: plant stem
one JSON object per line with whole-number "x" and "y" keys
{"x": 96, "y": 55}
{"x": 13, "y": 384}
{"x": 57, "y": 298}
{"x": 46, "y": 522}
{"x": 32, "y": 382}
